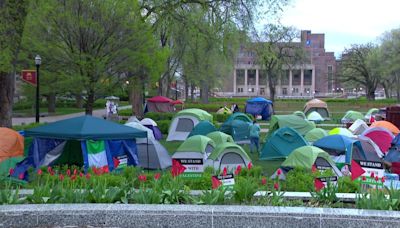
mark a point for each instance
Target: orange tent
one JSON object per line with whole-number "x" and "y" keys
{"x": 11, "y": 144}
{"x": 386, "y": 124}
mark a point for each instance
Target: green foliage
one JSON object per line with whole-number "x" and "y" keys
{"x": 345, "y": 184}
{"x": 213, "y": 197}
{"x": 326, "y": 196}
{"x": 244, "y": 189}
{"x": 156, "y": 116}
{"x": 9, "y": 195}
{"x": 163, "y": 125}
{"x": 299, "y": 180}
{"x": 378, "y": 200}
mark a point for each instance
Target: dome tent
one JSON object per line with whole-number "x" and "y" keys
{"x": 341, "y": 131}
{"x": 352, "y": 116}
{"x": 318, "y": 106}
{"x": 202, "y": 128}
{"x": 11, "y": 144}
{"x": 315, "y": 116}
{"x": 315, "y": 134}
{"x": 300, "y": 114}
{"x": 152, "y": 125}
{"x": 184, "y": 122}
{"x": 219, "y": 137}
{"x": 259, "y": 106}
{"x": 358, "y": 127}
{"x": 160, "y": 104}
{"x": 228, "y": 155}
{"x": 386, "y": 124}
{"x": 299, "y": 124}
{"x": 237, "y": 125}
{"x": 381, "y": 136}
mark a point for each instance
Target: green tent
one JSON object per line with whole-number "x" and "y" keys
{"x": 371, "y": 112}
{"x": 300, "y": 114}
{"x": 352, "y": 116}
{"x": 228, "y": 155}
{"x": 219, "y": 137}
{"x": 9, "y": 163}
{"x": 315, "y": 134}
{"x": 238, "y": 126}
{"x": 203, "y": 128}
{"x": 239, "y": 116}
{"x": 198, "y": 113}
{"x": 299, "y": 124}
{"x": 306, "y": 156}
{"x": 231, "y": 146}
{"x": 197, "y": 143}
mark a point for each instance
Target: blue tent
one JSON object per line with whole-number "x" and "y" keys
{"x": 84, "y": 140}
{"x": 337, "y": 145}
{"x": 281, "y": 144}
{"x": 259, "y": 106}
{"x": 394, "y": 152}
{"x": 202, "y": 128}
{"x": 238, "y": 126}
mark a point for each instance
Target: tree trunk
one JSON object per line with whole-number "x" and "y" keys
{"x": 387, "y": 90}
{"x": 204, "y": 92}
{"x": 397, "y": 87}
{"x": 89, "y": 103}
{"x": 7, "y": 86}
{"x": 51, "y": 103}
{"x": 78, "y": 101}
{"x": 186, "y": 89}
{"x": 370, "y": 94}
{"x": 192, "y": 92}
{"x": 160, "y": 87}
{"x": 136, "y": 98}
{"x": 271, "y": 86}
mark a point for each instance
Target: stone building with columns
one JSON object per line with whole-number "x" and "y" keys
{"x": 315, "y": 77}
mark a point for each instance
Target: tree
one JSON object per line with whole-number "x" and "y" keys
{"x": 12, "y": 20}
{"x": 390, "y": 57}
{"x": 358, "y": 65}
{"x": 276, "y": 49}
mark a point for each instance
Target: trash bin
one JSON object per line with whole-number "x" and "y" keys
{"x": 393, "y": 115}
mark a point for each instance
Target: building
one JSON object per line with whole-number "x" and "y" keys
{"x": 315, "y": 77}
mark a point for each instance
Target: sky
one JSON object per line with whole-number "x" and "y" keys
{"x": 344, "y": 22}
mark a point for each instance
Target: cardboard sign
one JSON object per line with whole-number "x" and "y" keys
{"x": 227, "y": 180}
{"x": 332, "y": 180}
{"x": 194, "y": 166}
{"x": 29, "y": 76}
{"x": 372, "y": 167}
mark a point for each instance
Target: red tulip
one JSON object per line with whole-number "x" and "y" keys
{"x": 75, "y": 171}
{"x": 39, "y": 172}
{"x": 264, "y": 181}
{"x": 105, "y": 169}
{"x": 68, "y": 172}
{"x": 88, "y": 176}
{"x": 364, "y": 178}
{"x": 49, "y": 169}
{"x": 142, "y": 178}
{"x": 376, "y": 178}
{"x": 249, "y": 166}
{"x": 61, "y": 177}
{"x": 372, "y": 175}
{"x": 11, "y": 171}
{"x": 279, "y": 172}
{"x": 73, "y": 177}
{"x": 224, "y": 172}
{"x": 238, "y": 170}
{"x": 157, "y": 176}
{"x": 276, "y": 186}
{"x": 80, "y": 174}
{"x": 21, "y": 176}
{"x": 383, "y": 179}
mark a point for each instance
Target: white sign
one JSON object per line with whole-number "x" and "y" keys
{"x": 192, "y": 165}
{"x": 227, "y": 180}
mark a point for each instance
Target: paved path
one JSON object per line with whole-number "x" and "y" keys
{"x": 49, "y": 119}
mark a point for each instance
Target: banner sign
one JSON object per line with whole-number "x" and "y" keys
{"x": 227, "y": 180}
{"x": 333, "y": 180}
{"x": 194, "y": 166}
{"x": 372, "y": 167}
{"x": 29, "y": 76}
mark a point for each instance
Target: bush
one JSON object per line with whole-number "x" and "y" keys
{"x": 163, "y": 125}
{"x": 299, "y": 180}
{"x": 156, "y": 116}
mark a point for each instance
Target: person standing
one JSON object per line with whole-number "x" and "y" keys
{"x": 254, "y": 136}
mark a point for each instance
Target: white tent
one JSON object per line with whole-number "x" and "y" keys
{"x": 148, "y": 121}
{"x": 358, "y": 127}
{"x": 315, "y": 116}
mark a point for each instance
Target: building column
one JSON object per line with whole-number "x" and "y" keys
{"x": 290, "y": 92}
{"x": 246, "y": 90}
{"x": 302, "y": 81}
{"x": 257, "y": 87}
{"x": 234, "y": 82}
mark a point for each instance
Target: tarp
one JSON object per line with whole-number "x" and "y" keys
{"x": 341, "y": 131}
{"x": 315, "y": 134}
{"x": 302, "y": 126}
{"x": 228, "y": 155}
{"x": 316, "y": 105}
{"x": 358, "y": 127}
{"x": 352, "y": 116}
{"x": 259, "y": 106}
{"x": 281, "y": 144}
{"x": 337, "y": 145}
{"x": 197, "y": 143}
{"x": 381, "y": 136}
{"x": 85, "y": 127}
{"x": 219, "y": 137}
{"x": 202, "y": 128}
{"x": 315, "y": 116}
{"x": 11, "y": 144}
{"x": 386, "y": 124}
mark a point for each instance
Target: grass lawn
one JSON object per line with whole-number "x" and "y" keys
{"x": 59, "y": 111}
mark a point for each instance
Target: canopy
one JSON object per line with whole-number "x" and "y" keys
{"x": 341, "y": 131}
{"x": 299, "y": 124}
{"x": 11, "y": 143}
{"x": 197, "y": 143}
{"x": 202, "y": 128}
{"x": 305, "y": 156}
{"x": 318, "y": 106}
{"x": 198, "y": 113}
{"x": 84, "y": 128}
{"x": 219, "y": 137}
{"x": 315, "y": 134}
{"x": 315, "y": 116}
{"x": 352, "y": 116}
{"x": 386, "y": 124}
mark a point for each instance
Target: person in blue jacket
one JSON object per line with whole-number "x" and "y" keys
{"x": 254, "y": 136}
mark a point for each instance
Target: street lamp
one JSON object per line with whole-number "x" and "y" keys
{"x": 38, "y": 61}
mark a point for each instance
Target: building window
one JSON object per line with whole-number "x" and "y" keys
{"x": 284, "y": 91}
{"x": 240, "y": 77}
{"x": 296, "y": 77}
{"x": 252, "y": 90}
{"x": 240, "y": 90}
{"x": 307, "y": 77}
{"x": 295, "y": 90}
{"x": 251, "y": 77}
{"x": 262, "y": 77}
{"x": 285, "y": 77}
{"x": 262, "y": 91}
{"x": 330, "y": 78}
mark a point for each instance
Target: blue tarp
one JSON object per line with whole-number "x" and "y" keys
{"x": 259, "y": 106}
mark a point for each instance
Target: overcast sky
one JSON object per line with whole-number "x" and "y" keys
{"x": 344, "y": 22}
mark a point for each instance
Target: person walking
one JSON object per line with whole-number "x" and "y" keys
{"x": 254, "y": 136}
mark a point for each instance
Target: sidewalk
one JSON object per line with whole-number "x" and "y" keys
{"x": 49, "y": 119}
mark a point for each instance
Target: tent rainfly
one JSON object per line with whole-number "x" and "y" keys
{"x": 229, "y": 155}
{"x": 315, "y": 117}
{"x": 237, "y": 125}
{"x": 184, "y": 122}
{"x": 202, "y": 128}
{"x": 358, "y": 127}
{"x": 317, "y": 105}
{"x": 219, "y": 137}
{"x": 299, "y": 124}
{"x": 351, "y": 116}
{"x": 315, "y": 134}
{"x": 11, "y": 144}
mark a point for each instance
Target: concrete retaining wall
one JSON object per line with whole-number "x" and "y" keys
{"x": 189, "y": 216}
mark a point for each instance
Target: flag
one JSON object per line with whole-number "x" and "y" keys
{"x": 177, "y": 168}
{"x": 224, "y": 172}
{"x": 96, "y": 153}
{"x": 116, "y": 162}
{"x": 318, "y": 184}
{"x": 29, "y": 76}
{"x": 356, "y": 170}
{"x": 215, "y": 182}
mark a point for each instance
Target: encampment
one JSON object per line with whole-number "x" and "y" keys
{"x": 229, "y": 155}
{"x": 184, "y": 122}
{"x": 316, "y": 105}
{"x": 84, "y": 140}
{"x": 160, "y": 104}
{"x": 352, "y": 116}
{"x": 11, "y": 144}
{"x": 259, "y": 106}
{"x": 299, "y": 124}
{"x": 315, "y": 117}
{"x": 219, "y": 137}
{"x": 237, "y": 125}
{"x": 315, "y": 134}
{"x": 202, "y": 128}
{"x": 152, "y": 125}
{"x": 281, "y": 144}
{"x": 371, "y": 150}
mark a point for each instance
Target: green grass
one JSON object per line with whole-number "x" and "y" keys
{"x": 59, "y": 111}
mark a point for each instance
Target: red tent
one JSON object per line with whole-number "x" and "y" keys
{"x": 160, "y": 104}
{"x": 160, "y": 99}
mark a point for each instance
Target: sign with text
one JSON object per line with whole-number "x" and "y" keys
{"x": 29, "y": 76}
{"x": 227, "y": 180}
{"x": 332, "y": 180}
{"x": 372, "y": 167}
{"x": 194, "y": 166}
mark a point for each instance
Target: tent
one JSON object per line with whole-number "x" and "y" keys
{"x": 229, "y": 155}
{"x": 358, "y": 127}
{"x": 219, "y": 137}
{"x": 203, "y": 128}
{"x": 386, "y": 124}
{"x": 9, "y": 163}
{"x": 342, "y": 148}
{"x": 381, "y": 136}
{"x": 300, "y": 114}
{"x": 237, "y": 125}
{"x": 259, "y": 106}
{"x": 151, "y": 154}
{"x": 307, "y": 156}
{"x": 83, "y": 140}
{"x": 341, "y": 131}
{"x": 315, "y": 134}
{"x": 372, "y": 151}
{"x": 11, "y": 144}
{"x": 352, "y": 116}
{"x": 184, "y": 122}
{"x": 371, "y": 112}
{"x": 394, "y": 152}
{"x": 299, "y": 124}
{"x": 315, "y": 116}
{"x": 224, "y": 110}
{"x": 281, "y": 144}
{"x": 160, "y": 104}
{"x": 152, "y": 125}
{"x": 316, "y": 105}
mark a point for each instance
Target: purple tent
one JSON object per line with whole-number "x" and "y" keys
{"x": 156, "y": 131}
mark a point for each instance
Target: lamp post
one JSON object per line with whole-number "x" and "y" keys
{"x": 38, "y": 61}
